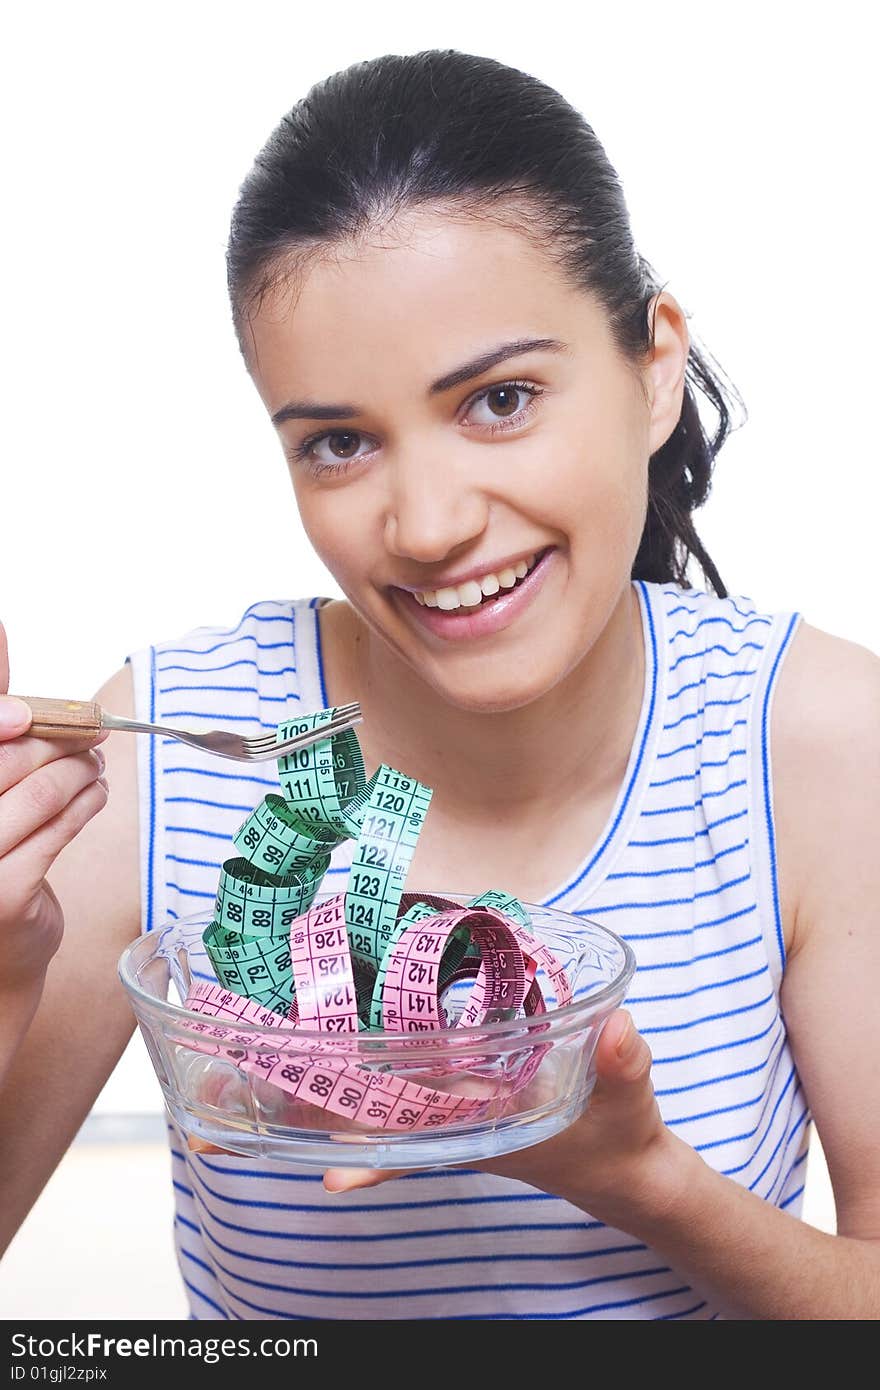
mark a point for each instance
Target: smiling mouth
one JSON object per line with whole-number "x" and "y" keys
{"x": 486, "y": 600}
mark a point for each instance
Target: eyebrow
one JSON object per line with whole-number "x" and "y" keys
{"x": 316, "y": 410}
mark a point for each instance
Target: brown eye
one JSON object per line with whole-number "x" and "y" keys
{"x": 506, "y": 397}
{"x": 348, "y": 449}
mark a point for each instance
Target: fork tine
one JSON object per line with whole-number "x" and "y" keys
{"x": 308, "y": 740}
{"x": 341, "y": 720}
{"x": 339, "y": 724}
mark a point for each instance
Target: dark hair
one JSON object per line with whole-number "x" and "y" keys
{"x": 487, "y": 140}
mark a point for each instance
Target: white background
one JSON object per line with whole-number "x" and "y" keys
{"x": 745, "y": 138}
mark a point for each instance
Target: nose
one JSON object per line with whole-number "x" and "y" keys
{"x": 433, "y": 508}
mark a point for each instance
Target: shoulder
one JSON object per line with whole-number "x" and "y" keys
{"x": 825, "y": 743}
{"x": 204, "y": 638}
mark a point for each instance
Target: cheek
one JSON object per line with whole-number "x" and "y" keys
{"x": 331, "y": 524}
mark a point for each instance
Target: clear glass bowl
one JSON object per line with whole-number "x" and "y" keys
{"x": 213, "y": 1098}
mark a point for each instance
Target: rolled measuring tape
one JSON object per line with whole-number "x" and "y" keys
{"x": 374, "y": 957}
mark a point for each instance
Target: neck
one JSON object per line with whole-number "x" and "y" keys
{"x": 582, "y": 729}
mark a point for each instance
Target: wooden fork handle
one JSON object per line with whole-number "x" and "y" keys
{"x": 63, "y": 718}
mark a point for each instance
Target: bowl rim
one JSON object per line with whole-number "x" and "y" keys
{"x": 464, "y": 1035}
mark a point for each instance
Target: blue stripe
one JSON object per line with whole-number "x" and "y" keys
{"x": 219, "y": 646}
{"x": 678, "y": 931}
{"x": 492, "y": 1317}
{"x": 192, "y": 892}
{"x": 704, "y": 651}
{"x": 768, "y": 811}
{"x": 224, "y": 717}
{"x": 456, "y": 1232}
{"x": 226, "y": 776}
{"x": 436, "y": 1204}
{"x": 720, "y": 1080}
{"x": 707, "y": 733}
{"x": 673, "y": 902}
{"x": 793, "y": 1198}
{"x": 697, "y": 772}
{"x": 704, "y": 622}
{"x": 320, "y": 656}
{"x": 709, "y": 675}
{"x": 750, "y": 1133}
{"x": 230, "y": 689}
{"x": 579, "y": 1312}
{"x": 200, "y": 863}
{"x": 686, "y": 839}
{"x": 228, "y": 665}
{"x": 719, "y": 1110}
{"x": 681, "y": 868}
{"x": 193, "y": 1289}
{"x": 709, "y": 1018}
{"x": 695, "y": 713}
{"x": 151, "y": 851}
{"x": 707, "y": 955}
{"x": 201, "y": 801}
{"x": 698, "y": 989}
{"x": 784, "y": 1139}
{"x": 707, "y": 796}
{"x": 432, "y": 1292}
{"x": 193, "y": 830}
{"x": 718, "y": 1047}
{"x": 649, "y": 723}
{"x": 379, "y": 1265}
{"x": 685, "y": 1312}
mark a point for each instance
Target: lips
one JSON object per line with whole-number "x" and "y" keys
{"x": 492, "y": 615}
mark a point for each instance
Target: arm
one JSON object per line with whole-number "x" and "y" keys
{"x": 83, "y": 1020}
{"x": 619, "y": 1163}
{"x": 759, "y": 1261}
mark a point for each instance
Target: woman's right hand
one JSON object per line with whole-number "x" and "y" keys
{"x": 49, "y": 789}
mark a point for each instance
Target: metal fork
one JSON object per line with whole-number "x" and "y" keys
{"x": 82, "y": 718}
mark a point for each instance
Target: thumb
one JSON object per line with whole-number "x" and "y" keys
{"x": 623, "y": 1058}
{"x": 347, "y": 1179}
{"x": 15, "y": 716}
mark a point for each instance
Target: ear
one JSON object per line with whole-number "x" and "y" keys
{"x": 664, "y": 374}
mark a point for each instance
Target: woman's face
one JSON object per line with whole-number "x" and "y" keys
{"x": 406, "y": 482}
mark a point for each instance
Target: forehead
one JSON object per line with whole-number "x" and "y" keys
{"x": 422, "y": 293}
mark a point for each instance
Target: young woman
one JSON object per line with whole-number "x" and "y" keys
{"x": 489, "y": 409}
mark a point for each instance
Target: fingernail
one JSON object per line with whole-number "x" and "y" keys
{"x": 15, "y": 715}
{"x": 99, "y": 759}
{"x": 341, "y": 1180}
{"x": 624, "y": 1042}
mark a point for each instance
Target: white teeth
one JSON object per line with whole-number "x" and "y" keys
{"x": 471, "y": 593}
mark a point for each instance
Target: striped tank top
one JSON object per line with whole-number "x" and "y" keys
{"x": 684, "y": 869}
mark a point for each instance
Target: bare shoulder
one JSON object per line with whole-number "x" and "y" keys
{"x": 825, "y": 748}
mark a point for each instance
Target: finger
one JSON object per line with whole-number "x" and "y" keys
{"x": 15, "y": 715}
{"x": 201, "y": 1146}
{"x": 347, "y": 1179}
{"x": 19, "y": 757}
{"x": 25, "y": 866}
{"x": 45, "y": 794}
{"x": 623, "y": 1058}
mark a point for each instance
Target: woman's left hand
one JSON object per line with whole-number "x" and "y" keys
{"x": 617, "y": 1153}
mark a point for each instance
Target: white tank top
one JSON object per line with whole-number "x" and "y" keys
{"x": 684, "y": 869}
